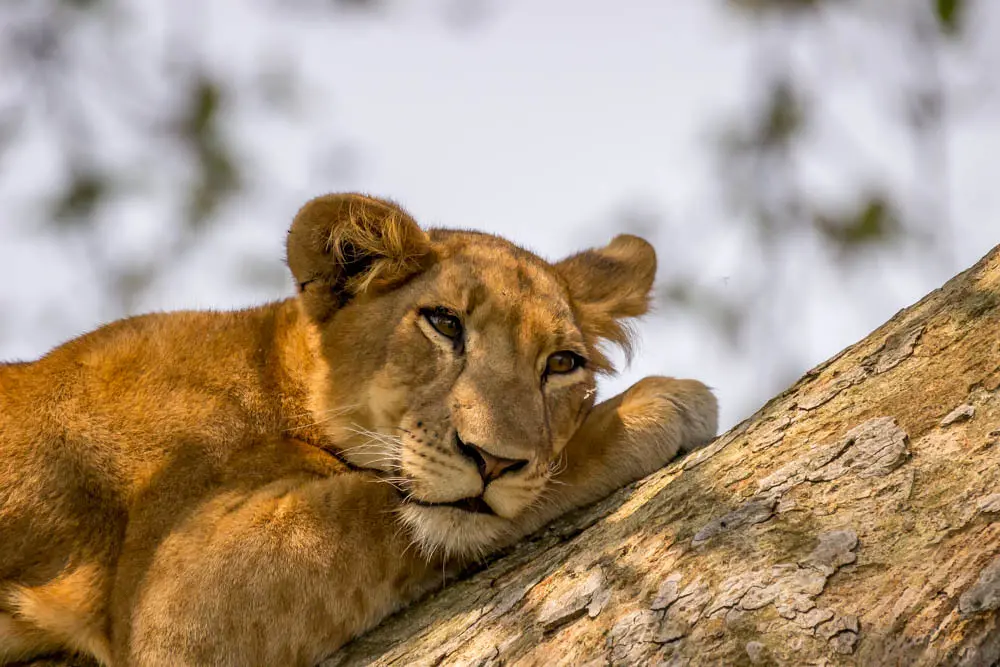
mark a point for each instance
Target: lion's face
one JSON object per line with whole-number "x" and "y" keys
{"x": 462, "y": 383}
{"x": 482, "y": 377}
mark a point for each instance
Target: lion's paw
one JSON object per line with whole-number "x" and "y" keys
{"x": 669, "y": 414}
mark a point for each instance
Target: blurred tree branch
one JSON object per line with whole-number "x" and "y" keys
{"x": 761, "y": 153}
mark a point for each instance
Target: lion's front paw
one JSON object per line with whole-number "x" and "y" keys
{"x": 669, "y": 415}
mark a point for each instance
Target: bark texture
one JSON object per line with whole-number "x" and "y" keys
{"x": 855, "y": 519}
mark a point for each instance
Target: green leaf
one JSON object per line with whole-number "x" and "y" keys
{"x": 949, "y": 15}
{"x": 203, "y": 106}
{"x": 783, "y": 116}
{"x": 79, "y": 201}
{"x": 217, "y": 173}
{"x": 775, "y": 5}
{"x": 872, "y": 223}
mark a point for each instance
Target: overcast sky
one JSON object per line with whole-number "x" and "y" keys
{"x": 545, "y": 122}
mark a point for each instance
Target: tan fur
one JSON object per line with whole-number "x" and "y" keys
{"x": 257, "y": 487}
{"x": 65, "y": 610}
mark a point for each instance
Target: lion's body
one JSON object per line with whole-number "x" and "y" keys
{"x": 148, "y": 417}
{"x": 225, "y": 488}
{"x": 84, "y": 430}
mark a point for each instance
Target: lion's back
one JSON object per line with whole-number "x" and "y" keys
{"x": 82, "y": 427}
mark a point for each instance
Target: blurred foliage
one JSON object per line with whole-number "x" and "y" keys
{"x": 199, "y": 128}
{"x": 52, "y": 80}
{"x": 872, "y": 222}
{"x": 777, "y": 5}
{"x": 950, "y": 14}
{"x": 47, "y": 79}
{"x": 781, "y": 118}
{"x": 80, "y": 199}
{"x": 759, "y": 170}
{"x": 172, "y": 98}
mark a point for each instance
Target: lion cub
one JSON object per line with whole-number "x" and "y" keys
{"x": 258, "y": 487}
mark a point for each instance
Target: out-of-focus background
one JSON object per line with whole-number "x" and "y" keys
{"x": 805, "y": 168}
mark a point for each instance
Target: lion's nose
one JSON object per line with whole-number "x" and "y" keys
{"x": 490, "y": 466}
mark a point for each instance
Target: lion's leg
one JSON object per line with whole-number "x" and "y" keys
{"x": 22, "y": 641}
{"x": 64, "y": 613}
{"x": 283, "y": 576}
{"x": 628, "y": 437}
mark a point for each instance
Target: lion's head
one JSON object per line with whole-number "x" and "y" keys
{"x": 456, "y": 363}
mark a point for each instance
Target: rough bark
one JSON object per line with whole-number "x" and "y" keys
{"x": 855, "y": 519}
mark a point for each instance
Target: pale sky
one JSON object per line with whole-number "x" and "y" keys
{"x": 544, "y": 122}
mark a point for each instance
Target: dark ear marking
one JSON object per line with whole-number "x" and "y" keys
{"x": 342, "y": 245}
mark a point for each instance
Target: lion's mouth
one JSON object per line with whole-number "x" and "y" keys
{"x": 474, "y": 504}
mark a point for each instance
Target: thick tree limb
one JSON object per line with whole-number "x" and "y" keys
{"x": 855, "y": 519}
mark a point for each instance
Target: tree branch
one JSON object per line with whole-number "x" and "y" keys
{"x": 855, "y": 519}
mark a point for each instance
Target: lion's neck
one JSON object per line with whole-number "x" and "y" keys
{"x": 295, "y": 349}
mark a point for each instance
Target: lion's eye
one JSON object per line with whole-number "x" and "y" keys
{"x": 563, "y": 362}
{"x": 444, "y": 322}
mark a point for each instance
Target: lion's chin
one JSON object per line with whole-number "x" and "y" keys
{"x": 453, "y": 532}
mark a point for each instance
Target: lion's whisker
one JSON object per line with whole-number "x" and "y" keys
{"x": 390, "y": 440}
{"x": 315, "y": 413}
{"x": 378, "y": 446}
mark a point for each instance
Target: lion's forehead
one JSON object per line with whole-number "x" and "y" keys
{"x": 501, "y": 263}
{"x": 502, "y": 294}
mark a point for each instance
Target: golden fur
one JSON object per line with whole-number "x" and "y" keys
{"x": 257, "y": 487}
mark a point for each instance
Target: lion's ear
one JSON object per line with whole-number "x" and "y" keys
{"x": 342, "y": 245}
{"x": 609, "y": 284}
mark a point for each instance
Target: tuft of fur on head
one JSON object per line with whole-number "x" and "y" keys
{"x": 379, "y": 237}
{"x": 343, "y": 245}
